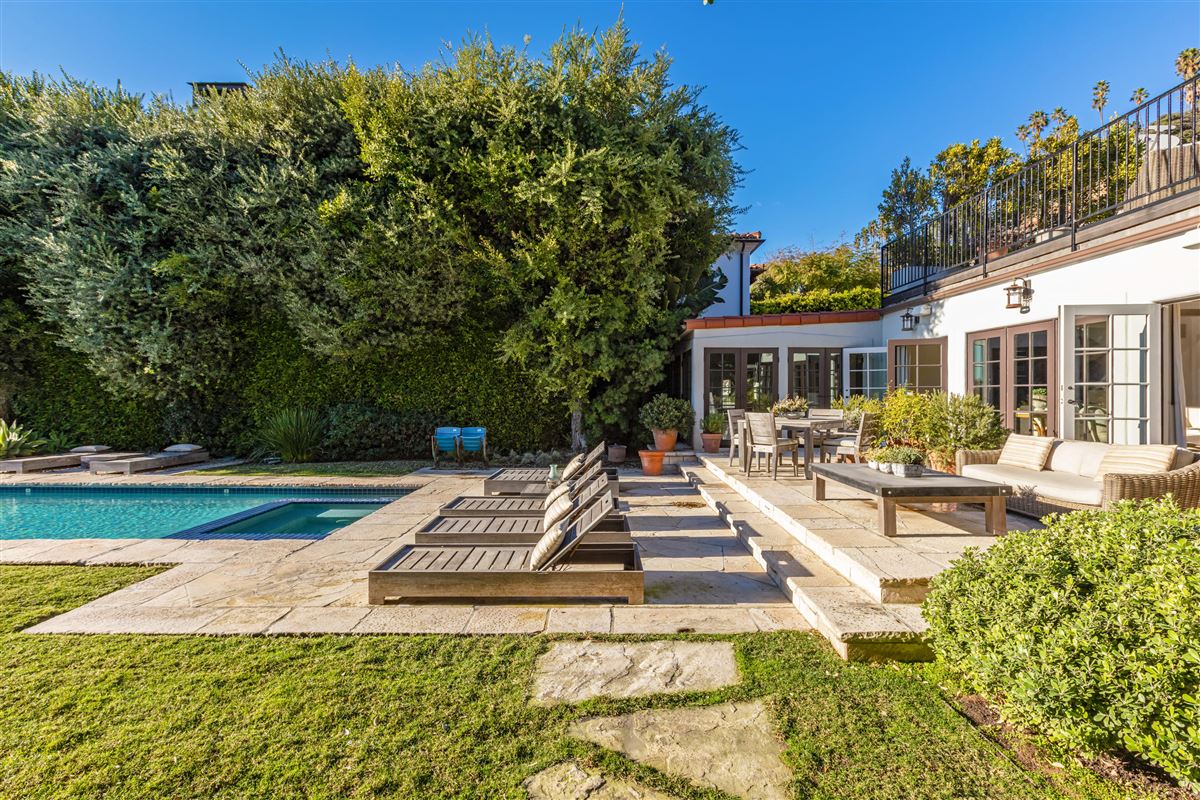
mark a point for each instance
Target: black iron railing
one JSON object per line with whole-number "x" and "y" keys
{"x": 1132, "y": 161}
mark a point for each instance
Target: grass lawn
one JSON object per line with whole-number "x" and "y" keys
{"x": 424, "y": 716}
{"x": 355, "y": 469}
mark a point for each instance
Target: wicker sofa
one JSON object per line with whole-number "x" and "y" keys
{"x": 1067, "y": 481}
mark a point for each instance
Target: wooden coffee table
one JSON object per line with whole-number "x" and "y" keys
{"x": 931, "y": 487}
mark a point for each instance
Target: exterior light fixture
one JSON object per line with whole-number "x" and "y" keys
{"x": 1018, "y": 293}
{"x": 908, "y": 321}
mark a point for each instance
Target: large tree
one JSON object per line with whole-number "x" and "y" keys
{"x": 968, "y": 167}
{"x": 908, "y": 200}
{"x": 577, "y": 201}
{"x": 834, "y": 269}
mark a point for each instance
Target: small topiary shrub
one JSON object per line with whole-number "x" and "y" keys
{"x": 665, "y": 413}
{"x": 360, "y": 432}
{"x": 1087, "y": 632}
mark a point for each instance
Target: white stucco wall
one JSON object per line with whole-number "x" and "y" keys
{"x": 1152, "y": 273}
{"x": 735, "y": 297}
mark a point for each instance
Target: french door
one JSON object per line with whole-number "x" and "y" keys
{"x": 743, "y": 378}
{"x": 1112, "y": 373}
{"x": 815, "y": 373}
{"x": 1014, "y": 371}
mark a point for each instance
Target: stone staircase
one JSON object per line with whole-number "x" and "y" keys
{"x": 866, "y": 613}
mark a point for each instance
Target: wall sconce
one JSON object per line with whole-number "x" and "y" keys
{"x": 1018, "y": 293}
{"x": 908, "y": 321}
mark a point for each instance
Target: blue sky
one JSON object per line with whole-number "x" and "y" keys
{"x": 828, "y": 97}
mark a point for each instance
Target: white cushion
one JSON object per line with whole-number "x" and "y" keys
{"x": 555, "y": 493}
{"x": 1063, "y": 486}
{"x": 1078, "y": 458}
{"x": 1136, "y": 459}
{"x": 547, "y": 546}
{"x": 558, "y": 510}
{"x": 182, "y": 448}
{"x": 572, "y": 467}
{"x": 91, "y": 448}
{"x": 1027, "y": 452}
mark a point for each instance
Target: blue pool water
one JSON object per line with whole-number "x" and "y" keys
{"x": 141, "y": 512}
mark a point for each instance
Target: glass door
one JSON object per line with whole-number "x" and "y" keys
{"x": 1113, "y": 371}
{"x": 815, "y": 374}
{"x": 1013, "y": 370}
{"x": 866, "y": 371}
{"x": 758, "y": 385}
{"x": 720, "y": 380}
{"x": 740, "y": 378}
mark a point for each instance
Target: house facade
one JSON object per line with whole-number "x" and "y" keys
{"x": 1067, "y": 296}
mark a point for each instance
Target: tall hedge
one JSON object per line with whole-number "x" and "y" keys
{"x": 494, "y": 239}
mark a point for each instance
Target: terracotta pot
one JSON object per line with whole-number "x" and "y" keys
{"x": 712, "y": 442}
{"x": 616, "y": 453}
{"x": 941, "y": 463}
{"x": 665, "y": 440}
{"x": 652, "y": 461}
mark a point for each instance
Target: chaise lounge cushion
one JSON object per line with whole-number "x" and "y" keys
{"x": 557, "y": 511}
{"x": 1028, "y": 452}
{"x": 182, "y": 448}
{"x": 547, "y": 546}
{"x": 555, "y": 493}
{"x": 572, "y": 467}
{"x": 91, "y": 448}
{"x": 1143, "y": 459}
{"x": 1065, "y": 486}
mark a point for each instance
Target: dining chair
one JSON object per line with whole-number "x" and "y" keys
{"x": 854, "y": 445}
{"x": 735, "y": 416}
{"x": 764, "y": 439}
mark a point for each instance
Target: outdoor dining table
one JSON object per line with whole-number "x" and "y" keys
{"x": 784, "y": 424}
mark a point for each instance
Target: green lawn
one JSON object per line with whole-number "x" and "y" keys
{"x": 356, "y": 469}
{"x": 423, "y": 716}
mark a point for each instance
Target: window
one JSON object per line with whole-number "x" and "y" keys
{"x": 815, "y": 373}
{"x": 866, "y": 372}
{"x": 918, "y": 364}
{"x": 1013, "y": 370}
{"x": 1113, "y": 373}
{"x": 740, "y": 378}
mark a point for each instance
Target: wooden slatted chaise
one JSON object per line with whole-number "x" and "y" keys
{"x": 564, "y": 565}
{"x": 527, "y": 529}
{"x": 536, "y": 480}
{"x": 517, "y": 505}
{"x": 80, "y": 456}
{"x": 167, "y": 458}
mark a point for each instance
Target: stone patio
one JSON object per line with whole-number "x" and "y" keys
{"x": 573, "y": 671}
{"x": 699, "y": 577}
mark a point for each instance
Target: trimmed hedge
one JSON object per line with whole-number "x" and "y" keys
{"x": 457, "y": 379}
{"x": 1088, "y": 632}
{"x": 856, "y": 299}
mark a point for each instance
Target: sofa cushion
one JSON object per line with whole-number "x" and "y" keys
{"x": 1136, "y": 459}
{"x": 1064, "y": 486}
{"x": 1028, "y": 452}
{"x": 1080, "y": 458}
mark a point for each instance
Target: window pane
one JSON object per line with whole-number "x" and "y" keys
{"x": 928, "y": 354}
{"x": 929, "y": 377}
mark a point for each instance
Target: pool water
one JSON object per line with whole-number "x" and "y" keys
{"x": 142, "y": 512}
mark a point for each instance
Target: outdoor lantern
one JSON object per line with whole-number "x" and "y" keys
{"x": 908, "y": 321}
{"x": 1018, "y": 293}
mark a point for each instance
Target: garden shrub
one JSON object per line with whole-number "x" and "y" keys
{"x": 358, "y": 432}
{"x": 961, "y": 422}
{"x": 907, "y": 418}
{"x": 858, "y": 298}
{"x": 1087, "y": 632}
{"x": 294, "y": 434}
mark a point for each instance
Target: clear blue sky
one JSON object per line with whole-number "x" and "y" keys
{"x": 828, "y": 97}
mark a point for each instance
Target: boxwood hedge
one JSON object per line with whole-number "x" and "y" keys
{"x": 1087, "y": 632}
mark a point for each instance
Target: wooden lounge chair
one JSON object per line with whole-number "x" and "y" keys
{"x": 517, "y": 505}
{"x": 174, "y": 456}
{"x": 80, "y": 456}
{"x": 535, "y": 480}
{"x": 560, "y": 566}
{"x": 528, "y": 529}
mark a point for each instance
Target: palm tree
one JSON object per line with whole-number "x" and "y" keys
{"x": 1038, "y": 121}
{"x": 1139, "y": 96}
{"x": 1187, "y": 64}
{"x": 1023, "y": 135}
{"x": 1100, "y": 98}
{"x": 1059, "y": 115}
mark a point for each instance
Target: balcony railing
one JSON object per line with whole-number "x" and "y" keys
{"x": 1132, "y": 161}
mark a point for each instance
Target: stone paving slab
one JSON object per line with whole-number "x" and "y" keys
{"x": 682, "y": 619}
{"x": 573, "y": 671}
{"x": 415, "y": 619}
{"x": 730, "y": 747}
{"x": 304, "y": 619}
{"x": 570, "y": 781}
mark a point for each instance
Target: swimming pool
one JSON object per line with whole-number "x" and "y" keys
{"x": 57, "y": 512}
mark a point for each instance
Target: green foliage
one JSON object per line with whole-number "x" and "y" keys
{"x": 790, "y": 405}
{"x": 897, "y": 454}
{"x": 1087, "y": 631}
{"x": 360, "y": 432}
{"x": 960, "y": 422}
{"x": 907, "y": 418}
{"x": 836, "y": 269}
{"x": 713, "y": 422}
{"x": 58, "y": 442}
{"x": 664, "y": 413}
{"x": 963, "y": 169}
{"x": 856, "y": 299}
{"x": 294, "y": 434}
{"x": 908, "y": 200}
{"x": 854, "y": 406}
{"x": 17, "y": 441}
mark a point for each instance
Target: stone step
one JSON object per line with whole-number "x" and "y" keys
{"x": 886, "y": 572}
{"x": 859, "y": 628}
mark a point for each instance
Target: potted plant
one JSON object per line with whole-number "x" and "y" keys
{"x": 712, "y": 428}
{"x": 872, "y": 457}
{"x": 791, "y": 407}
{"x": 958, "y": 422}
{"x": 666, "y": 417}
{"x": 906, "y": 462}
{"x": 616, "y": 453}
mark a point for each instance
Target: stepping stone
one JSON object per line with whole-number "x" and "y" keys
{"x": 569, "y": 781}
{"x": 730, "y": 747}
{"x": 574, "y": 671}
